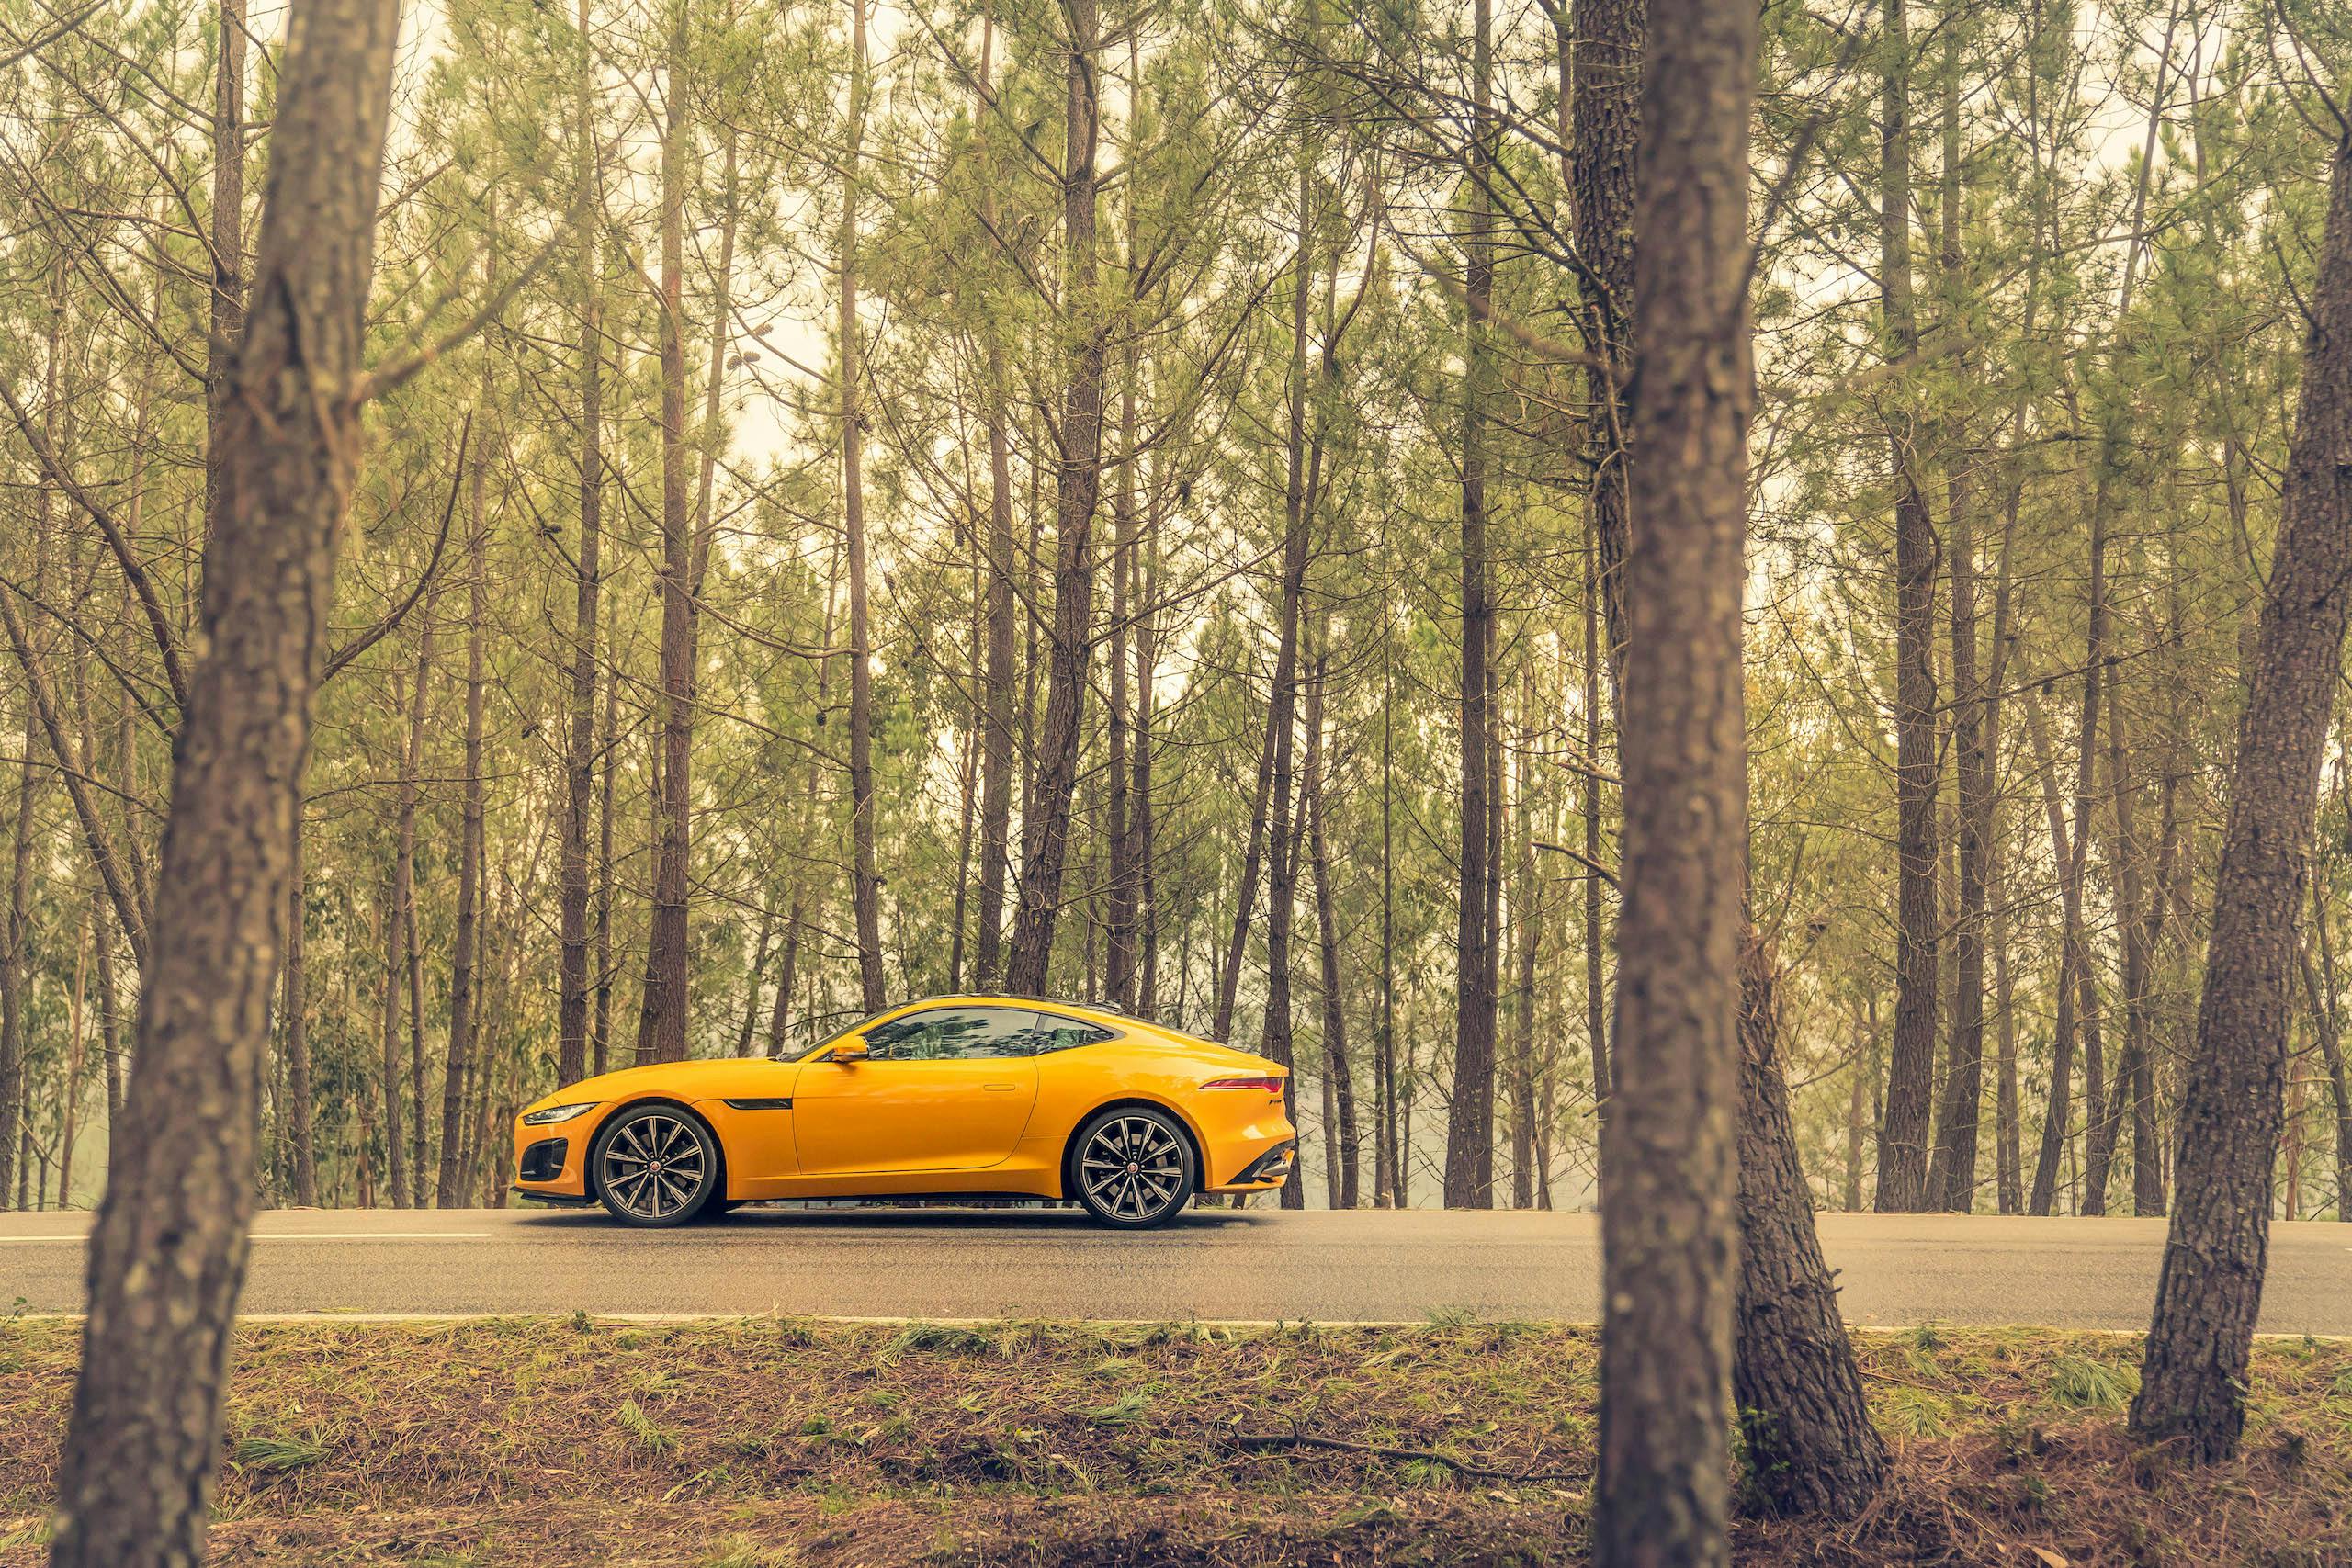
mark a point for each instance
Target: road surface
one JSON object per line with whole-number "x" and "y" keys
{"x": 1253, "y": 1264}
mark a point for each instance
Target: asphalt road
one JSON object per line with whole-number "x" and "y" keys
{"x": 1253, "y": 1264}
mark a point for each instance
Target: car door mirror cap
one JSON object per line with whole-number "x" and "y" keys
{"x": 853, "y": 1049}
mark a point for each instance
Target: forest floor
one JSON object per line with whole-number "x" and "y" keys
{"x": 757, "y": 1442}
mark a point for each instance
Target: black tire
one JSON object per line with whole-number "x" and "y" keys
{"x": 1133, "y": 1168}
{"x": 655, "y": 1166}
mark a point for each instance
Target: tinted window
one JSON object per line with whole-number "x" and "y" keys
{"x": 953, "y": 1034}
{"x": 1056, "y": 1033}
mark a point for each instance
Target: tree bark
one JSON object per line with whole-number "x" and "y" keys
{"x": 448, "y": 1193}
{"x": 1951, "y": 1174}
{"x": 1045, "y": 832}
{"x": 15, "y": 938}
{"x": 1903, "y": 1136}
{"x": 579, "y": 745}
{"x": 1602, "y": 82}
{"x": 600, "y": 1024}
{"x": 1470, "y": 1112}
{"x": 866, "y": 877}
{"x": 661, "y": 1014}
{"x": 298, "y": 1028}
{"x": 2194, "y": 1376}
{"x": 226, "y": 242}
{"x": 1282, "y": 877}
{"x": 1337, "y": 1070}
{"x": 2076, "y": 999}
{"x": 1530, "y": 1177}
{"x": 1810, "y": 1445}
{"x": 996, "y": 748}
{"x": 1668, "y": 1218}
{"x": 2328, "y": 1023}
{"x": 405, "y": 1159}
{"x": 167, "y": 1254}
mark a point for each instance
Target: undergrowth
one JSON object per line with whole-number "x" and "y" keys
{"x": 745, "y": 1443}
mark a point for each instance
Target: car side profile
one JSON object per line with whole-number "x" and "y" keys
{"x": 994, "y": 1097}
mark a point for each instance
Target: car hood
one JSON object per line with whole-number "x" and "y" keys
{"x": 685, "y": 1079}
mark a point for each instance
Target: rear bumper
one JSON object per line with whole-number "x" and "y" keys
{"x": 1264, "y": 1171}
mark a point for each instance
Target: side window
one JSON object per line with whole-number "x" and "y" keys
{"x": 1054, "y": 1032}
{"x": 953, "y": 1034}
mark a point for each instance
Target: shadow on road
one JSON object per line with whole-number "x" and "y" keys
{"x": 893, "y": 1218}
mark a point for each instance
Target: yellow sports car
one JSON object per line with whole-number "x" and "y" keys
{"x": 996, "y": 1097}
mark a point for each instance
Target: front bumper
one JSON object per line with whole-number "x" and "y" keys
{"x": 561, "y": 1200}
{"x": 551, "y": 1162}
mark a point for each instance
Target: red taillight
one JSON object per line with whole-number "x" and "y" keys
{"x": 1271, "y": 1086}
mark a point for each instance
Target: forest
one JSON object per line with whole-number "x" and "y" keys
{"x": 857, "y": 507}
{"x": 1701, "y": 612}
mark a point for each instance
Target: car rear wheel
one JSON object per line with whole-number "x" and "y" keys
{"x": 655, "y": 1165}
{"x": 1133, "y": 1168}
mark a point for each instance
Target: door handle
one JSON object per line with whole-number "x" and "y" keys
{"x": 998, "y": 1088}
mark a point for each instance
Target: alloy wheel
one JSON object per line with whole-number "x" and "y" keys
{"x": 1133, "y": 1168}
{"x": 654, "y": 1166}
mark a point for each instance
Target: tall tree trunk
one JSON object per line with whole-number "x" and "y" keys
{"x": 1668, "y": 1219}
{"x": 1951, "y": 1174}
{"x": 2098, "y": 1134}
{"x": 167, "y": 1254}
{"x": 1903, "y": 1138}
{"x": 1810, "y": 1445}
{"x": 298, "y": 1028}
{"x": 600, "y": 1024}
{"x": 2077, "y": 1000}
{"x": 1282, "y": 880}
{"x": 400, "y": 929}
{"x": 16, "y": 941}
{"x": 866, "y": 877}
{"x": 1337, "y": 1070}
{"x": 1529, "y": 1179}
{"x": 1388, "y": 1183}
{"x": 1119, "y": 947}
{"x": 1596, "y": 1009}
{"x": 996, "y": 747}
{"x": 1140, "y": 822}
{"x": 1236, "y": 946}
{"x": 579, "y": 744}
{"x": 447, "y": 1189}
{"x": 661, "y": 1015}
{"x": 227, "y": 243}
{"x": 1470, "y": 1113}
{"x": 1044, "y": 830}
{"x": 2328, "y": 1025}
{"x": 2132, "y": 914}
{"x": 1602, "y": 79}
{"x": 2193, "y": 1379}
{"x": 75, "y": 1055}
{"x": 1698, "y": 391}
{"x": 2007, "y": 1130}
{"x": 780, "y": 1018}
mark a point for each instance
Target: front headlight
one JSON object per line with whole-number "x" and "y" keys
{"x": 557, "y": 1113}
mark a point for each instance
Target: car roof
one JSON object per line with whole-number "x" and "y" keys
{"x": 1060, "y": 1004}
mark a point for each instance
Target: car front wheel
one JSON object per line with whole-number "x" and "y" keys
{"x": 1133, "y": 1168}
{"x": 655, "y": 1165}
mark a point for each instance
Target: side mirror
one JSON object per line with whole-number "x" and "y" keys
{"x": 853, "y": 1049}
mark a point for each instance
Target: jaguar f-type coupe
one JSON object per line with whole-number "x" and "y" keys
{"x": 955, "y": 1096}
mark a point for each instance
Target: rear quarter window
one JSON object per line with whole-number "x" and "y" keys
{"x": 1054, "y": 1033}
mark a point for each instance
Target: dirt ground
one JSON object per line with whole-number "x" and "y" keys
{"x": 760, "y": 1443}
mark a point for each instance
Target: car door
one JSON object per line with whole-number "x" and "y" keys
{"x": 945, "y": 1088}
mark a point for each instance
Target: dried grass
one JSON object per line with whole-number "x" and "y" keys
{"x": 764, "y": 1442}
